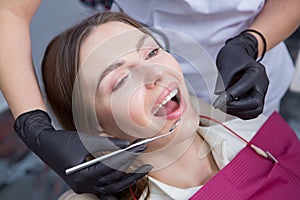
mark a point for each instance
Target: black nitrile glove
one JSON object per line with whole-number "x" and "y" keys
{"x": 242, "y": 81}
{"x": 61, "y": 150}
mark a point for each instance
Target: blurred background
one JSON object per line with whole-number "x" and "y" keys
{"x": 23, "y": 175}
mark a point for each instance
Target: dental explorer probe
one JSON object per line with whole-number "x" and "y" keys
{"x": 145, "y": 141}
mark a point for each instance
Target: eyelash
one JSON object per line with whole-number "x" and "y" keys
{"x": 120, "y": 83}
{"x": 154, "y": 52}
{"x": 150, "y": 55}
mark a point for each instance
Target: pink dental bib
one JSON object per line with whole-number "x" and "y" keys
{"x": 250, "y": 176}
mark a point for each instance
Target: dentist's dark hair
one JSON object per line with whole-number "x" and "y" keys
{"x": 60, "y": 66}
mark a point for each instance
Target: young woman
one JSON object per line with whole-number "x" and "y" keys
{"x": 108, "y": 76}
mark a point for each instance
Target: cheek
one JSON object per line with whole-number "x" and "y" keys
{"x": 108, "y": 123}
{"x": 171, "y": 64}
{"x": 137, "y": 109}
{"x": 104, "y": 115}
{"x": 128, "y": 113}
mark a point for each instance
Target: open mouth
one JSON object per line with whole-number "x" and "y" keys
{"x": 169, "y": 105}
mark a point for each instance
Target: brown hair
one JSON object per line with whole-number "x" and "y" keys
{"x": 60, "y": 66}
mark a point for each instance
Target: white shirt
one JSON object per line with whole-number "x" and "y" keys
{"x": 211, "y": 23}
{"x": 224, "y": 146}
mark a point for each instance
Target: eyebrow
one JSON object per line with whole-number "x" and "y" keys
{"x": 141, "y": 41}
{"x": 109, "y": 69}
{"x": 118, "y": 64}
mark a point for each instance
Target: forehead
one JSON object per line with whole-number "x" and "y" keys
{"x": 106, "y": 44}
{"x": 106, "y": 33}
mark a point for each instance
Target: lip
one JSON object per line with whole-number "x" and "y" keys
{"x": 165, "y": 93}
{"x": 182, "y": 106}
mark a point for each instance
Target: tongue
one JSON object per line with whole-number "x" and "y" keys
{"x": 168, "y": 108}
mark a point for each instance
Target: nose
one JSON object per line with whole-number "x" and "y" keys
{"x": 150, "y": 74}
{"x": 152, "y": 84}
{"x": 153, "y": 75}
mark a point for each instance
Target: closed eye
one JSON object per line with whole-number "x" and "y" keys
{"x": 119, "y": 83}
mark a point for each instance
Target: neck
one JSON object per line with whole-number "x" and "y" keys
{"x": 193, "y": 168}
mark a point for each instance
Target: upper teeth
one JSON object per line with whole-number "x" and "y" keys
{"x": 166, "y": 100}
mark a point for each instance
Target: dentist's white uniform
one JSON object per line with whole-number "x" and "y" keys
{"x": 211, "y": 23}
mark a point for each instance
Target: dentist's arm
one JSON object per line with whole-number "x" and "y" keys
{"x": 277, "y": 21}
{"x": 58, "y": 149}
{"x": 243, "y": 83}
{"x": 18, "y": 82}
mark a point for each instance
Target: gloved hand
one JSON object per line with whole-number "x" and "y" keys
{"x": 61, "y": 150}
{"x": 242, "y": 82}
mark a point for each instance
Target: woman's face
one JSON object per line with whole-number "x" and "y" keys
{"x": 136, "y": 87}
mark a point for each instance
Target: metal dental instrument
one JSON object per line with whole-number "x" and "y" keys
{"x": 145, "y": 141}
